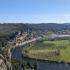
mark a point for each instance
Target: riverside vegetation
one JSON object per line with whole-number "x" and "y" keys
{"x": 40, "y": 50}
{"x": 18, "y": 64}
{"x": 53, "y": 50}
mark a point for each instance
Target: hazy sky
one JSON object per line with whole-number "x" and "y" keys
{"x": 35, "y": 11}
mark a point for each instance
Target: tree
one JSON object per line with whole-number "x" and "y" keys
{"x": 58, "y": 52}
{"x": 3, "y": 42}
{"x": 0, "y": 44}
{"x": 29, "y": 65}
{"x": 24, "y": 68}
{"x": 36, "y": 65}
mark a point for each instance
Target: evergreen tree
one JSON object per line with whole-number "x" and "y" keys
{"x": 0, "y": 44}
{"x": 58, "y": 52}
{"x": 3, "y": 42}
{"x": 29, "y": 65}
{"x": 36, "y": 65}
{"x": 24, "y": 68}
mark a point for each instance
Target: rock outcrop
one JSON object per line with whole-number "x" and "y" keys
{"x": 2, "y": 65}
{"x": 5, "y": 60}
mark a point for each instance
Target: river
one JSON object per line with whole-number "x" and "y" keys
{"x": 42, "y": 65}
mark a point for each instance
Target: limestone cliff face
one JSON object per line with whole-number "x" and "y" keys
{"x": 2, "y": 65}
{"x": 8, "y": 59}
{"x": 5, "y": 60}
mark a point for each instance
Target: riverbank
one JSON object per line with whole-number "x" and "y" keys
{"x": 42, "y": 64}
{"x": 54, "y": 51}
{"x": 49, "y": 61}
{"x": 34, "y": 39}
{"x": 25, "y": 42}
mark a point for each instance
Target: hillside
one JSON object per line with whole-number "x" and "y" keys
{"x": 9, "y": 31}
{"x": 66, "y": 23}
{"x": 15, "y": 34}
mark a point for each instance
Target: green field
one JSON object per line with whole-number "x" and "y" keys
{"x": 49, "y": 50}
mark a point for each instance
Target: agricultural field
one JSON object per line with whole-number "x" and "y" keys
{"x": 49, "y": 50}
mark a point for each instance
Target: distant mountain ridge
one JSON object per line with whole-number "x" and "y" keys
{"x": 66, "y": 23}
{"x": 9, "y": 30}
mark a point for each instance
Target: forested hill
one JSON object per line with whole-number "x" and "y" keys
{"x": 11, "y": 29}
{"x": 66, "y": 23}
{"x": 50, "y": 27}
{"x": 8, "y": 31}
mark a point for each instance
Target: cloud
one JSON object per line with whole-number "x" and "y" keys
{"x": 66, "y": 15}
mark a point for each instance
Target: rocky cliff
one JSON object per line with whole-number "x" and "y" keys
{"x": 5, "y": 59}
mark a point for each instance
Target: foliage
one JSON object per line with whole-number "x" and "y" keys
{"x": 36, "y": 65}
{"x": 25, "y": 51}
{"x": 9, "y": 31}
{"x": 17, "y": 64}
{"x": 58, "y": 52}
{"x": 29, "y": 64}
{"x": 50, "y": 50}
{"x": 3, "y": 42}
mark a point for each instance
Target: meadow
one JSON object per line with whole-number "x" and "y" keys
{"x": 58, "y": 50}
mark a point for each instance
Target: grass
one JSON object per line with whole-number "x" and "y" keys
{"x": 65, "y": 55}
{"x": 59, "y": 42}
{"x": 48, "y": 49}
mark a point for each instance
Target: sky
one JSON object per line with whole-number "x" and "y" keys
{"x": 34, "y": 11}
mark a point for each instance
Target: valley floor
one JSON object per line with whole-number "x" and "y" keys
{"x": 49, "y": 50}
